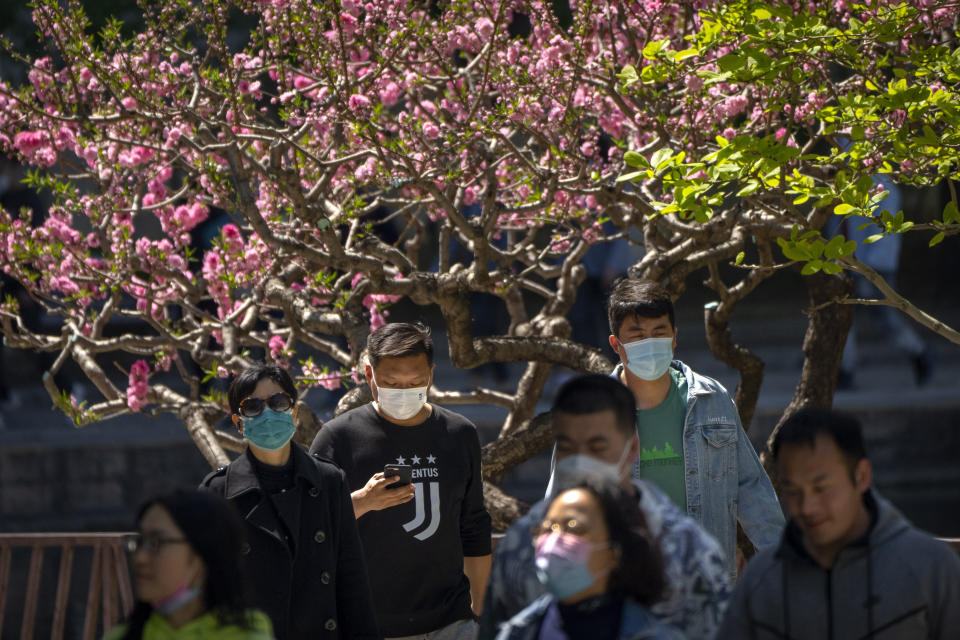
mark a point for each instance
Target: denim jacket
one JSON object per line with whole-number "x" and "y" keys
{"x": 725, "y": 481}
{"x": 696, "y": 571}
{"x": 636, "y": 623}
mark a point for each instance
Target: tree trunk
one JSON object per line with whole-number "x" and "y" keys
{"x": 827, "y": 331}
{"x": 749, "y": 365}
{"x": 503, "y": 509}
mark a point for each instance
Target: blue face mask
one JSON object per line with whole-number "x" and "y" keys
{"x": 271, "y": 430}
{"x": 649, "y": 359}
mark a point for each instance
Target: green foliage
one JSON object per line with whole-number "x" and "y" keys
{"x": 840, "y": 100}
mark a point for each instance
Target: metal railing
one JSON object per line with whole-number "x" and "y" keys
{"x": 108, "y": 591}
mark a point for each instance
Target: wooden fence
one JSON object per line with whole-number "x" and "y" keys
{"x": 109, "y": 597}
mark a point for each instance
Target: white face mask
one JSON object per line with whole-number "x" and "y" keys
{"x": 401, "y": 404}
{"x": 571, "y": 469}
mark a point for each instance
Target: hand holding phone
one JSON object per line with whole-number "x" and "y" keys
{"x": 403, "y": 473}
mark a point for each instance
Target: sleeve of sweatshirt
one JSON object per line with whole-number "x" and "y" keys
{"x": 475, "y": 527}
{"x": 945, "y": 581}
{"x": 736, "y": 623}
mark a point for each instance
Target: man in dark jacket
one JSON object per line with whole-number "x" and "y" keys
{"x": 849, "y": 565}
{"x": 304, "y": 559}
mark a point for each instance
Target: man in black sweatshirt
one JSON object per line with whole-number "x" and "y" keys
{"x": 848, "y": 565}
{"x": 427, "y": 544}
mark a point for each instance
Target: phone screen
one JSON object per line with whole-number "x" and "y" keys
{"x": 403, "y": 473}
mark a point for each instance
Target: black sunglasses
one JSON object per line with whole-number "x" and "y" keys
{"x": 252, "y": 407}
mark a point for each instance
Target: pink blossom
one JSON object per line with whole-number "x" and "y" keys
{"x": 377, "y": 319}
{"x": 780, "y": 133}
{"x": 138, "y": 388}
{"x": 390, "y": 94}
{"x": 330, "y": 381}
{"x": 430, "y": 130}
{"x": 734, "y": 105}
{"x": 469, "y": 196}
{"x": 485, "y": 27}
{"x": 359, "y": 104}
{"x": 27, "y": 142}
{"x": 694, "y": 82}
{"x": 729, "y": 133}
{"x": 129, "y": 103}
{"x": 277, "y": 347}
{"x": 233, "y": 237}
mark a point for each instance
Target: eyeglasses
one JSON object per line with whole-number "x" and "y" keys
{"x": 575, "y": 527}
{"x": 279, "y": 402}
{"x": 151, "y": 544}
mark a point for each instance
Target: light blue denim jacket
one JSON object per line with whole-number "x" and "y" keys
{"x": 725, "y": 481}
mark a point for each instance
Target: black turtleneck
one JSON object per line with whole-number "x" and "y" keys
{"x": 273, "y": 479}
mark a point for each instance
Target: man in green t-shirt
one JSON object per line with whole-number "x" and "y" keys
{"x": 693, "y": 446}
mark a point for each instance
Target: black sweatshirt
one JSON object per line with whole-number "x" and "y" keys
{"x": 414, "y": 551}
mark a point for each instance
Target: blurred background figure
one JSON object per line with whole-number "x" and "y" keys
{"x": 884, "y": 257}
{"x": 187, "y": 573}
{"x": 601, "y": 568}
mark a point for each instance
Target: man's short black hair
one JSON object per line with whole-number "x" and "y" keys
{"x": 400, "y": 340}
{"x": 594, "y": 393}
{"x": 631, "y": 297}
{"x": 805, "y": 425}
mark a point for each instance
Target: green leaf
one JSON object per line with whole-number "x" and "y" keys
{"x": 722, "y": 141}
{"x": 731, "y": 62}
{"x": 633, "y": 175}
{"x": 873, "y": 238}
{"x": 761, "y": 14}
{"x": 686, "y": 53}
{"x": 857, "y": 132}
{"x": 834, "y": 248}
{"x": 742, "y": 255}
{"x": 635, "y": 159}
{"x": 749, "y": 188}
{"x": 811, "y": 267}
{"x": 950, "y": 213}
{"x": 832, "y": 268}
{"x": 937, "y": 239}
{"x": 659, "y": 156}
{"x": 628, "y": 75}
{"x": 843, "y": 209}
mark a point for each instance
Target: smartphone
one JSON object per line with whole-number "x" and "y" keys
{"x": 403, "y": 472}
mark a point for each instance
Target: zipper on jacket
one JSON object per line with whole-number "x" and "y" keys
{"x": 829, "y": 575}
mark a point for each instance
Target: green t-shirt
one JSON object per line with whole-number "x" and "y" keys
{"x": 661, "y": 441}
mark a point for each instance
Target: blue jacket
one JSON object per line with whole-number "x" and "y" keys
{"x": 636, "y": 623}
{"x": 696, "y": 571}
{"x": 725, "y": 481}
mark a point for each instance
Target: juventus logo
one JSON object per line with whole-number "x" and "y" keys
{"x": 420, "y": 514}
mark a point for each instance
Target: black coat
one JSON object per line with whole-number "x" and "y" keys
{"x": 317, "y": 587}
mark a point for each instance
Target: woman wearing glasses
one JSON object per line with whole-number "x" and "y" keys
{"x": 303, "y": 552}
{"x": 600, "y": 567}
{"x": 187, "y": 573}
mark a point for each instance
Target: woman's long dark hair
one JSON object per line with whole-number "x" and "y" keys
{"x": 216, "y": 534}
{"x": 639, "y": 573}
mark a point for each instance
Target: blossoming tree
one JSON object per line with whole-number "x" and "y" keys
{"x": 349, "y": 148}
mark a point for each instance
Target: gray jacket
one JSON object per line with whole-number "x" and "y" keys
{"x": 896, "y": 583}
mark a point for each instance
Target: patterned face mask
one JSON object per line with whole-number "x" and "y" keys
{"x": 561, "y": 559}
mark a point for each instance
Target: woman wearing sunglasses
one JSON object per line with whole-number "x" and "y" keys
{"x": 187, "y": 573}
{"x": 601, "y": 569}
{"x": 303, "y": 554}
